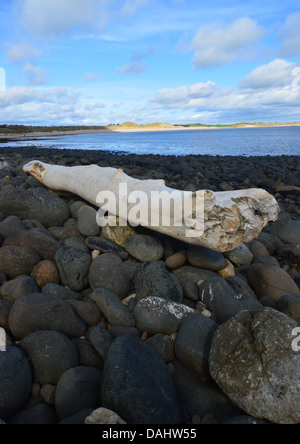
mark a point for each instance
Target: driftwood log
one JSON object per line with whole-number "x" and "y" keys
{"x": 217, "y": 220}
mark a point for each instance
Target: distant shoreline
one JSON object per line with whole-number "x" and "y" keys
{"x": 137, "y": 129}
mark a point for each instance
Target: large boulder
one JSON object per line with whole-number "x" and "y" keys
{"x": 36, "y": 203}
{"x": 137, "y": 385}
{"x": 253, "y": 362}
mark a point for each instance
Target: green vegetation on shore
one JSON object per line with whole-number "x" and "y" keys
{"x": 27, "y": 129}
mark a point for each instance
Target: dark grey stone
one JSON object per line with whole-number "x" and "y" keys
{"x": 10, "y": 225}
{"x": 20, "y": 286}
{"x": 193, "y": 342}
{"x": 105, "y": 274}
{"x": 153, "y": 279}
{"x": 156, "y": 315}
{"x": 106, "y": 246}
{"x": 144, "y": 248}
{"x": 35, "y": 415}
{"x": 15, "y": 372}
{"x": 61, "y": 292}
{"x": 36, "y": 203}
{"x": 101, "y": 340}
{"x": 40, "y": 311}
{"x": 87, "y": 222}
{"x": 79, "y": 388}
{"x": 39, "y": 241}
{"x": 206, "y": 258}
{"x": 290, "y": 305}
{"x": 112, "y": 307}
{"x": 51, "y": 354}
{"x": 187, "y": 273}
{"x": 223, "y": 301}
{"x": 201, "y": 397}
{"x": 15, "y": 261}
{"x": 73, "y": 267}
{"x": 137, "y": 385}
{"x": 163, "y": 345}
{"x": 78, "y": 418}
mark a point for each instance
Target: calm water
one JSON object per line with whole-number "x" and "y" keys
{"x": 223, "y": 142}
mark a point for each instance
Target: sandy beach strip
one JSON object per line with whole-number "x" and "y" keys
{"x": 120, "y": 129}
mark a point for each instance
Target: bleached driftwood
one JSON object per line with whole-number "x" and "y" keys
{"x": 227, "y": 218}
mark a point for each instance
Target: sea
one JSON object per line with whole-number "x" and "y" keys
{"x": 273, "y": 141}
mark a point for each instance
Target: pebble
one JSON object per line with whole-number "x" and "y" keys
{"x": 202, "y": 257}
{"x": 227, "y": 271}
{"x": 271, "y": 281}
{"x": 39, "y": 311}
{"x": 16, "y": 261}
{"x": 103, "y": 273}
{"x": 87, "y": 223}
{"x": 17, "y": 287}
{"x": 176, "y": 260}
{"x": 111, "y": 306}
{"x": 240, "y": 255}
{"x": 73, "y": 267}
{"x": 224, "y": 301}
{"x": 51, "y": 354}
{"x": 153, "y": 279}
{"x": 79, "y": 388}
{"x": 104, "y": 416}
{"x": 45, "y": 272}
{"x": 144, "y": 248}
{"x": 156, "y": 315}
{"x": 118, "y": 234}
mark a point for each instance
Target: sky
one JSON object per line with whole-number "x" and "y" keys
{"x": 101, "y": 62}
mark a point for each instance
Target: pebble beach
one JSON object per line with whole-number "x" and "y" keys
{"x": 127, "y": 326}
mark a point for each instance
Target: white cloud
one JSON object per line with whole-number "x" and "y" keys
{"x": 91, "y": 77}
{"x": 256, "y": 97}
{"x": 22, "y": 52}
{"x": 132, "y": 68}
{"x": 184, "y": 94}
{"x": 36, "y": 75}
{"x": 130, "y": 6}
{"x": 24, "y": 95}
{"x": 216, "y": 45}
{"x": 51, "y": 18}
{"x": 279, "y": 72}
{"x": 136, "y": 64}
{"x": 289, "y": 35}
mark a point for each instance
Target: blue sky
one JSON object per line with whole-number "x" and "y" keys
{"x": 96, "y": 62}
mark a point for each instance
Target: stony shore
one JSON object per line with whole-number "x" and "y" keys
{"x": 128, "y": 326}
